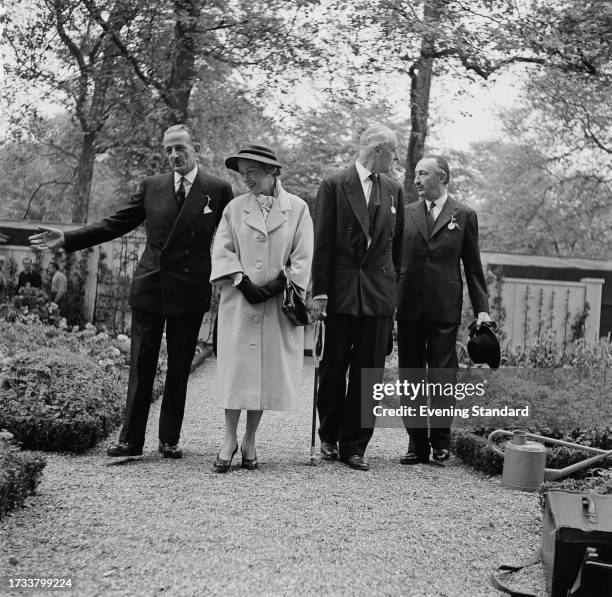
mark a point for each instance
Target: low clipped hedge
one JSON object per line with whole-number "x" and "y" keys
{"x": 89, "y": 372}
{"x": 56, "y": 400}
{"x": 473, "y": 450}
{"x": 20, "y": 474}
{"x": 471, "y": 447}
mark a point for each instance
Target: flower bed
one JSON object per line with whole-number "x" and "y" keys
{"x": 569, "y": 394}
{"x": 20, "y": 474}
{"x": 56, "y": 400}
{"x": 60, "y": 389}
{"x": 572, "y": 403}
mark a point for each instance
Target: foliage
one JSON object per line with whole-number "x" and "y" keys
{"x": 598, "y": 481}
{"x": 20, "y": 474}
{"x": 315, "y": 153}
{"x": 77, "y": 269}
{"x": 545, "y": 352}
{"x": 113, "y": 290}
{"x": 473, "y": 450}
{"x": 125, "y": 71}
{"x": 55, "y": 400}
{"x": 473, "y": 40}
{"x": 33, "y": 304}
{"x": 80, "y": 377}
{"x": 572, "y": 404}
{"x": 530, "y": 203}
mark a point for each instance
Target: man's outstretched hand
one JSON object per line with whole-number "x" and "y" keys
{"x": 47, "y": 239}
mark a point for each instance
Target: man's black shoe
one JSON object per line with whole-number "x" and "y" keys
{"x": 123, "y": 450}
{"x": 170, "y": 451}
{"x": 329, "y": 450}
{"x": 357, "y": 462}
{"x": 440, "y": 455}
{"x": 412, "y": 458}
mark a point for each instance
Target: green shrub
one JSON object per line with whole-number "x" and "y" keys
{"x": 546, "y": 352}
{"x": 471, "y": 447}
{"x": 55, "y": 400}
{"x": 20, "y": 474}
{"x": 473, "y": 450}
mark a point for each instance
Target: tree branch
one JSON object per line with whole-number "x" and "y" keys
{"x": 42, "y": 184}
{"x": 591, "y": 135}
{"x": 81, "y": 97}
{"x": 94, "y": 11}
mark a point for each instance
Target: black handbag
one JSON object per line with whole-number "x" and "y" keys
{"x": 293, "y": 305}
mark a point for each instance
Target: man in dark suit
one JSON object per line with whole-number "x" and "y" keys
{"x": 359, "y": 215}
{"x": 29, "y": 277}
{"x": 170, "y": 285}
{"x": 439, "y": 233}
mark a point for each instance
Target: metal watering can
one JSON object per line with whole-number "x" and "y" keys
{"x": 525, "y": 461}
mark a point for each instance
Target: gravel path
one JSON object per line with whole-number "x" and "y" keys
{"x": 163, "y": 527}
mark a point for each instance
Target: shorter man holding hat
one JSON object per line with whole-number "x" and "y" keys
{"x": 440, "y": 234}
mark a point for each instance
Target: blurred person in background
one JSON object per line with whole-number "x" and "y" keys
{"x": 28, "y": 277}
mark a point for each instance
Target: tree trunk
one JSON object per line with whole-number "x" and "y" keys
{"x": 420, "y": 75}
{"x": 84, "y": 176}
{"x": 182, "y": 75}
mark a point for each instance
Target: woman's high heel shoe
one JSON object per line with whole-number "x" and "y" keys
{"x": 249, "y": 463}
{"x": 222, "y": 466}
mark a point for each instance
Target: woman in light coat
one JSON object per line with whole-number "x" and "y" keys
{"x": 262, "y": 235}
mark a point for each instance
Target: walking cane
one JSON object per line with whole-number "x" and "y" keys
{"x": 317, "y": 353}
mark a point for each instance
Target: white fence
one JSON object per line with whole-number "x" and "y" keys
{"x": 534, "y": 307}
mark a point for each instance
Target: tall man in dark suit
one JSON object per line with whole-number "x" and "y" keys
{"x": 359, "y": 215}
{"x": 170, "y": 286}
{"x": 439, "y": 233}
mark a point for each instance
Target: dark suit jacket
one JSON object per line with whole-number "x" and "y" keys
{"x": 430, "y": 283}
{"x": 358, "y": 280}
{"x": 172, "y": 277}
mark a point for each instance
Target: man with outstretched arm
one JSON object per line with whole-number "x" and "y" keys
{"x": 170, "y": 286}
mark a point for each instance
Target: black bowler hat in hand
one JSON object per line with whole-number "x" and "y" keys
{"x": 483, "y": 346}
{"x": 257, "y": 153}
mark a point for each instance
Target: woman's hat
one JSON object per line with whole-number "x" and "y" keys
{"x": 483, "y": 346}
{"x": 257, "y": 153}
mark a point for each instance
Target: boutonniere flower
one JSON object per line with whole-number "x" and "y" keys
{"x": 207, "y": 209}
{"x": 453, "y": 224}
{"x": 393, "y": 210}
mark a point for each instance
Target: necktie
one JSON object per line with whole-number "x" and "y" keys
{"x": 180, "y": 194}
{"x": 373, "y": 203}
{"x": 430, "y": 218}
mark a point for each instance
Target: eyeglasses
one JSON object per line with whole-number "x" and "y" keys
{"x": 391, "y": 150}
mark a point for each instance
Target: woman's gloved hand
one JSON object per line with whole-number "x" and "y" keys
{"x": 252, "y": 293}
{"x": 258, "y": 294}
{"x": 275, "y": 286}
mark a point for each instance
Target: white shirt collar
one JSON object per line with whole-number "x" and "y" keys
{"x": 364, "y": 173}
{"x": 440, "y": 201}
{"x": 189, "y": 177}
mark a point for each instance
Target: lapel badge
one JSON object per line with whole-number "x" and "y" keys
{"x": 207, "y": 209}
{"x": 453, "y": 224}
